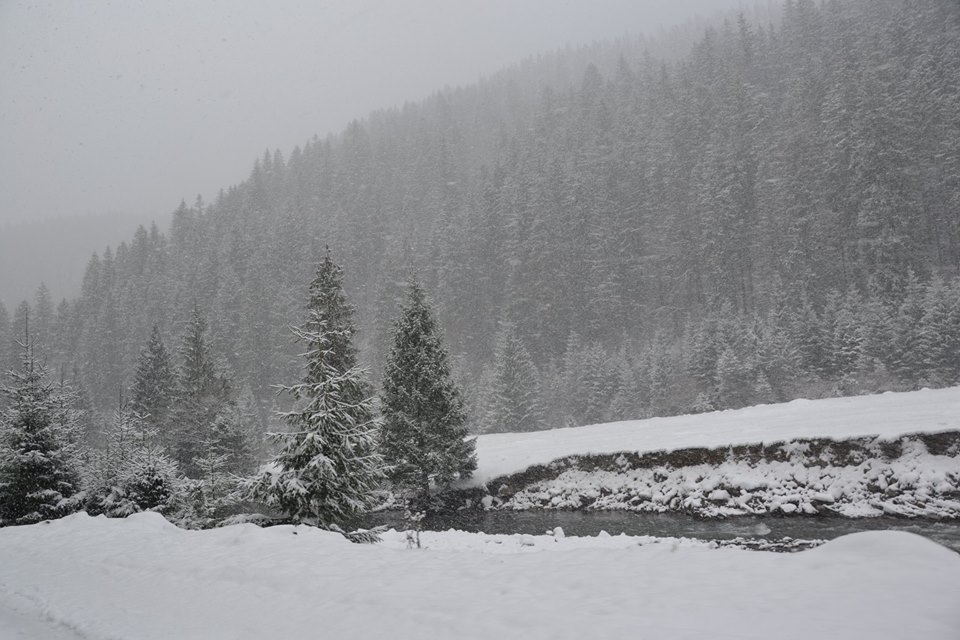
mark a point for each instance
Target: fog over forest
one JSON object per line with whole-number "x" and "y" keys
{"x": 762, "y": 218}
{"x": 106, "y": 116}
{"x": 129, "y": 108}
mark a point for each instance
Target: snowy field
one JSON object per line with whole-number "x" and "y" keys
{"x": 142, "y": 578}
{"x": 887, "y": 415}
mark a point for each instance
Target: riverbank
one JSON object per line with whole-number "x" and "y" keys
{"x": 916, "y": 476}
{"x": 895, "y": 454}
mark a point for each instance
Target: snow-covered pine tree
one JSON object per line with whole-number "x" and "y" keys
{"x": 940, "y": 331}
{"x": 424, "y": 436}
{"x": 777, "y": 360}
{"x": 154, "y": 480}
{"x": 70, "y": 419}
{"x": 907, "y": 325}
{"x": 627, "y": 403}
{"x": 105, "y": 484}
{"x": 37, "y": 481}
{"x": 153, "y": 386}
{"x": 131, "y": 473}
{"x": 328, "y": 466}
{"x": 514, "y": 404}
{"x": 229, "y": 436}
{"x": 201, "y": 394}
{"x": 87, "y": 429}
{"x": 735, "y": 379}
{"x": 205, "y": 497}
{"x": 246, "y": 415}
{"x": 808, "y": 333}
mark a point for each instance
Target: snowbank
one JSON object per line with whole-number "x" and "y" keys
{"x": 142, "y": 578}
{"x": 887, "y": 415}
{"x": 854, "y": 478}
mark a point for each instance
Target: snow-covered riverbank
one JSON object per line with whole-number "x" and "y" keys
{"x": 143, "y": 578}
{"x": 854, "y": 478}
{"x": 844, "y": 456}
{"x": 887, "y": 415}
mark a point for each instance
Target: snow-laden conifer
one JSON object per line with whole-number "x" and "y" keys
{"x": 131, "y": 473}
{"x": 328, "y": 467}
{"x": 153, "y": 385}
{"x": 37, "y": 477}
{"x": 202, "y": 394}
{"x": 514, "y": 404}
{"x": 424, "y": 437}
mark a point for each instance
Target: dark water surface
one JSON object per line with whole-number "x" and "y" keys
{"x": 591, "y": 523}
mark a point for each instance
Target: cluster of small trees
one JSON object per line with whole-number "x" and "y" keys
{"x": 182, "y": 447}
{"x": 39, "y": 477}
{"x": 170, "y": 446}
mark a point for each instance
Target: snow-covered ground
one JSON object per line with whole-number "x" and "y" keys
{"x": 142, "y": 578}
{"x": 886, "y": 415}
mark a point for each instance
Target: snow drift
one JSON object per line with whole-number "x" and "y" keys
{"x": 143, "y": 578}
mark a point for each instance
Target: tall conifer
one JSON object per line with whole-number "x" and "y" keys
{"x": 153, "y": 386}
{"x": 328, "y": 467}
{"x": 514, "y": 404}
{"x": 37, "y": 479}
{"x": 424, "y": 437}
{"x": 202, "y": 393}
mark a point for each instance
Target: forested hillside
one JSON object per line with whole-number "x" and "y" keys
{"x": 604, "y": 235}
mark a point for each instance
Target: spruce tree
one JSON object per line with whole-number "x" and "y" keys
{"x": 122, "y": 437}
{"x": 514, "y": 404}
{"x": 131, "y": 473}
{"x": 328, "y": 466}
{"x": 424, "y": 437}
{"x": 153, "y": 386}
{"x": 907, "y": 324}
{"x": 735, "y": 379}
{"x": 37, "y": 479}
{"x": 207, "y": 496}
{"x": 201, "y": 394}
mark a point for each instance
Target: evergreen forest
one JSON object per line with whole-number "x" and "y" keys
{"x": 604, "y": 234}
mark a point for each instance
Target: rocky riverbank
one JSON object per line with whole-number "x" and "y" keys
{"x": 915, "y": 476}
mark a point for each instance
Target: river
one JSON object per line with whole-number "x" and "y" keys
{"x": 591, "y": 523}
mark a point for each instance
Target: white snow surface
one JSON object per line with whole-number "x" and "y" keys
{"x": 887, "y": 415}
{"x": 142, "y": 578}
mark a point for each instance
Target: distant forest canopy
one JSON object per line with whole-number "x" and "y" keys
{"x": 775, "y": 215}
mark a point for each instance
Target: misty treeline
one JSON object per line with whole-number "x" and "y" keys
{"x": 775, "y": 215}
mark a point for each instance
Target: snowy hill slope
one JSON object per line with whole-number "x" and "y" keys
{"x": 142, "y": 578}
{"x": 887, "y": 415}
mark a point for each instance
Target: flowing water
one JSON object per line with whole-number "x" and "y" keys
{"x": 591, "y": 523}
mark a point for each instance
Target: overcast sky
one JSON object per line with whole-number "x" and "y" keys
{"x": 129, "y": 106}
